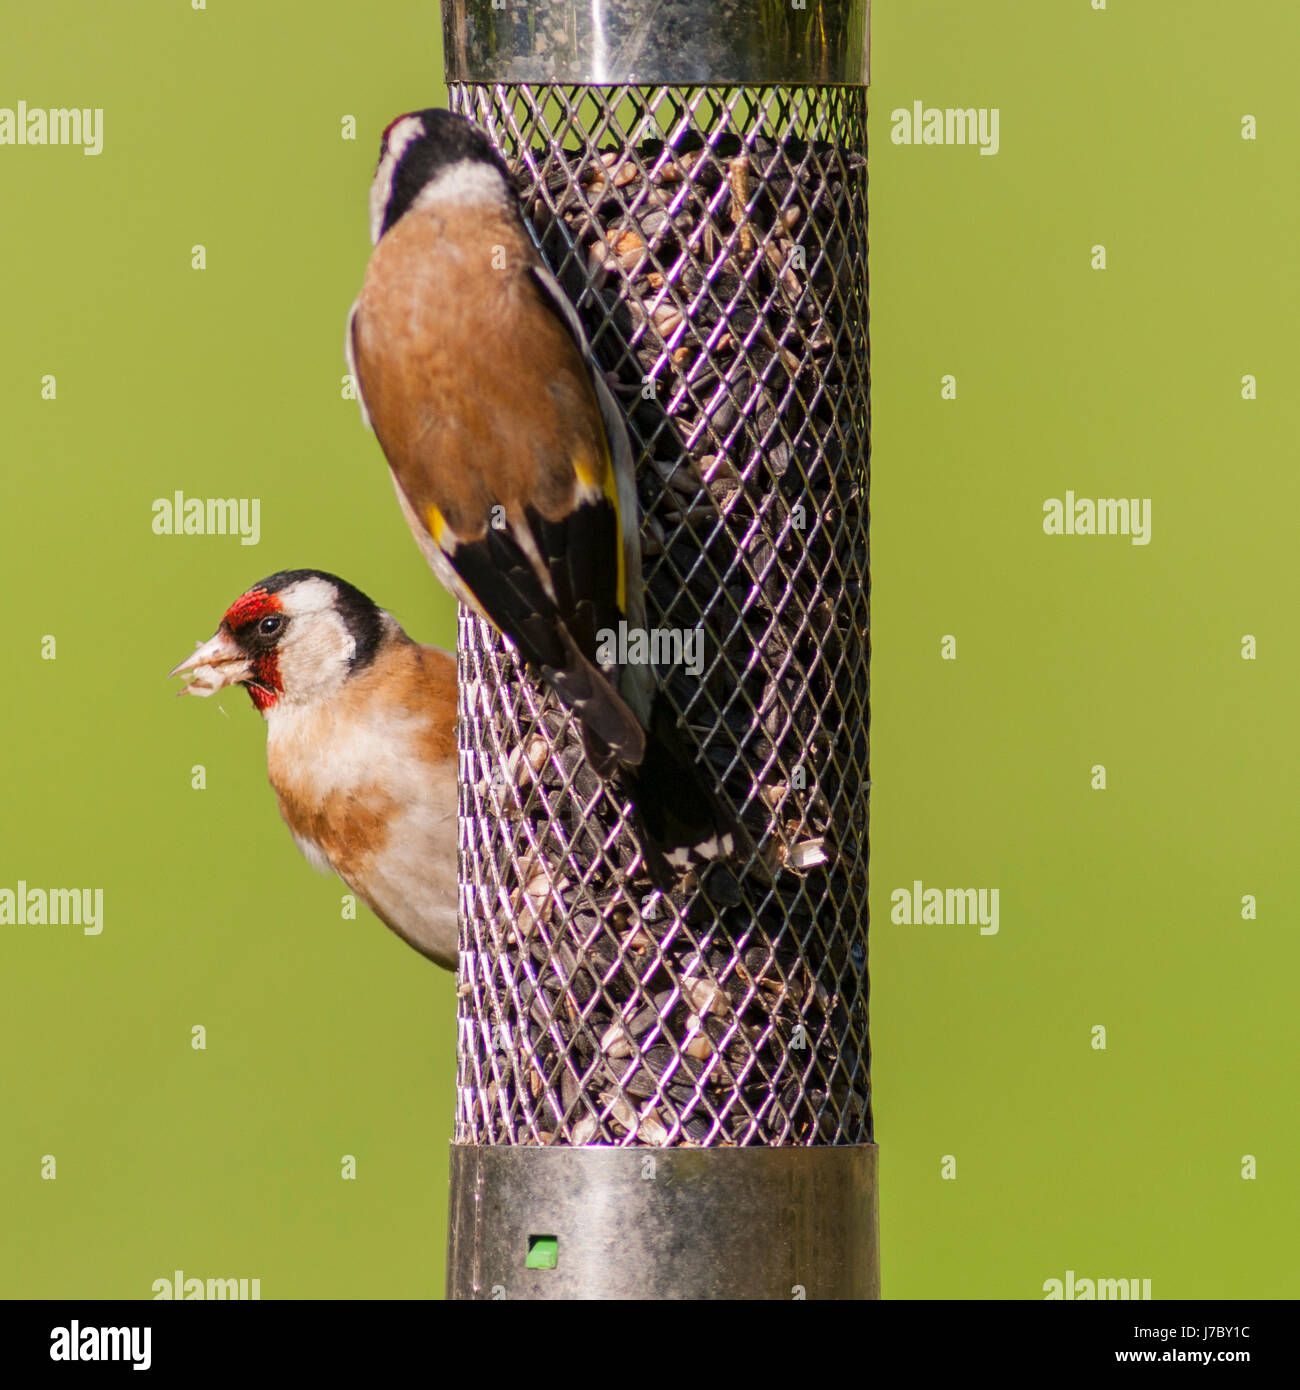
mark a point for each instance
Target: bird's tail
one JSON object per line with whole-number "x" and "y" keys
{"x": 680, "y": 821}
{"x": 611, "y": 733}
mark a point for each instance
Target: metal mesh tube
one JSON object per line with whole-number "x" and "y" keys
{"x": 714, "y": 241}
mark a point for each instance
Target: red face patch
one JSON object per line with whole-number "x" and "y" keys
{"x": 264, "y": 685}
{"x": 266, "y": 674}
{"x": 249, "y": 607}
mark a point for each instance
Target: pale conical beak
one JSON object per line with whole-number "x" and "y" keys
{"x": 217, "y": 663}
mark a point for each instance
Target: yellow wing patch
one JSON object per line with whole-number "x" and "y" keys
{"x": 439, "y": 530}
{"x": 598, "y": 479}
{"x": 591, "y": 474}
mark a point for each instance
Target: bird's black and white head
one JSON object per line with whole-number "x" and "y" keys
{"x": 291, "y": 640}
{"x": 434, "y": 156}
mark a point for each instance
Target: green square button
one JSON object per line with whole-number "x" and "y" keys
{"x": 543, "y": 1252}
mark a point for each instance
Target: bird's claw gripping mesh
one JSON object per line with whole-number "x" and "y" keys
{"x": 714, "y": 241}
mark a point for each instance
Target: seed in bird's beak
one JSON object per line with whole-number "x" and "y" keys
{"x": 216, "y": 663}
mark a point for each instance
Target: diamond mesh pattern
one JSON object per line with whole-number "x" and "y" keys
{"x": 714, "y": 241}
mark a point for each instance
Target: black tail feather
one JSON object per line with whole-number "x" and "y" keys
{"x": 607, "y": 722}
{"x": 680, "y": 821}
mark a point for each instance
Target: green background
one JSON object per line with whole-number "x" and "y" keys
{"x": 1120, "y": 907}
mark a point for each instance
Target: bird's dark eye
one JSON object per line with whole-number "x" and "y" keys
{"x": 269, "y": 626}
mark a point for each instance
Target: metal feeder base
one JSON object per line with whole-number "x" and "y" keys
{"x": 663, "y": 1223}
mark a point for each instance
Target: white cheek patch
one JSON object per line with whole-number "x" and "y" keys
{"x": 381, "y": 188}
{"x": 467, "y": 182}
{"x": 316, "y": 651}
{"x": 314, "y": 657}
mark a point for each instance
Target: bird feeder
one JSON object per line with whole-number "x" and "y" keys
{"x": 668, "y": 1094}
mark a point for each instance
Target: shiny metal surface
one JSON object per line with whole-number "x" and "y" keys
{"x": 753, "y": 1223}
{"x": 684, "y": 42}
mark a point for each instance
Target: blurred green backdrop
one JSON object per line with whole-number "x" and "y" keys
{"x": 224, "y": 128}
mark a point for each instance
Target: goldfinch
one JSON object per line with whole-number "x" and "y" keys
{"x": 360, "y": 742}
{"x": 511, "y": 461}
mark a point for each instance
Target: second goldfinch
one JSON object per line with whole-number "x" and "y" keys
{"x": 511, "y": 460}
{"x": 360, "y": 742}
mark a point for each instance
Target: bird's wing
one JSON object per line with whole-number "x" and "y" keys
{"x": 528, "y": 578}
{"x": 637, "y": 685}
{"x": 503, "y": 464}
{"x": 620, "y": 449}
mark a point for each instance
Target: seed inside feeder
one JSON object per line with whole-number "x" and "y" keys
{"x": 721, "y": 281}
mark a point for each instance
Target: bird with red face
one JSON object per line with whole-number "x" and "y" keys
{"x": 360, "y": 746}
